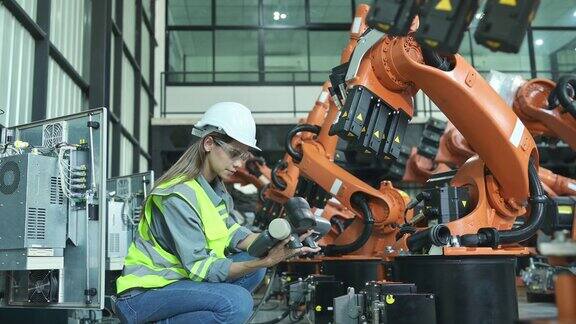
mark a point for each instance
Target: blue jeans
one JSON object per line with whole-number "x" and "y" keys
{"x": 188, "y": 301}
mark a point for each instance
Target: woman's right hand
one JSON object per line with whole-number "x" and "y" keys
{"x": 280, "y": 253}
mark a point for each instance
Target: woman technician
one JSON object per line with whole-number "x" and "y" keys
{"x": 184, "y": 265}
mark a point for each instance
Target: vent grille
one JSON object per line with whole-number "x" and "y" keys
{"x": 53, "y": 134}
{"x": 36, "y": 224}
{"x": 123, "y": 188}
{"x": 9, "y": 177}
{"x": 56, "y": 194}
{"x": 114, "y": 243}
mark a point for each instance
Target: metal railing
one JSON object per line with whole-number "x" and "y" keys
{"x": 244, "y": 78}
{"x": 423, "y": 106}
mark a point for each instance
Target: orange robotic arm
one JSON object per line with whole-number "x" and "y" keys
{"x": 556, "y": 118}
{"x": 285, "y": 175}
{"x": 420, "y": 168}
{"x": 394, "y": 68}
{"x": 454, "y": 149}
{"x": 314, "y": 157}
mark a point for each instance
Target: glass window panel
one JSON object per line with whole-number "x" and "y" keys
{"x": 465, "y": 49}
{"x": 486, "y": 60}
{"x": 284, "y": 12}
{"x": 113, "y": 5}
{"x": 29, "y": 6}
{"x": 368, "y": 2}
{"x": 143, "y": 164}
{"x": 129, "y": 25}
{"x": 556, "y": 13}
{"x": 286, "y": 51}
{"x": 17, "y": 49}
{"x": 69, "y": 29}
{"x": 186, "y": 12}
{"x": 110, "y": 147}
{"x": 127, "y": 100}
{"x": 145, "y": 59}
{"x": 126, "y": 156}
{"x": 147, "y": 7}
{"x": 190, "y": 52}
{"x": 237, "y": 12}
{"x": 330, "y": 11}
{"x": 325, "y": 50}
{"x": 144, "y": 118}
{"x": 237, "y": 52}
{"x": 555, "y": 52}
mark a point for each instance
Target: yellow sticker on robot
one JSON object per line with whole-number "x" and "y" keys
{"x": 318, "y": 308}
{"x": 565, "y": 210}
{"x": 444, "y": 5}
{"x": 390, "y": 299}
{"x": 512, "y": 3}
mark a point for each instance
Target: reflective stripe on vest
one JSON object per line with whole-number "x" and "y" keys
{"x": 148, "y": 265}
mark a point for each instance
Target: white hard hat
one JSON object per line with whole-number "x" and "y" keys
{"x": 230, "y": 118}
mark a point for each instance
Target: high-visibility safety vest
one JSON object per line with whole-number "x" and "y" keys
{"x": 148, "y": 265}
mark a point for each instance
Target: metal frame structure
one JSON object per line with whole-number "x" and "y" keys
{"x": 261, "y": 27}
{"x": 90, "y": 238}
{"x": 97, "y": 87}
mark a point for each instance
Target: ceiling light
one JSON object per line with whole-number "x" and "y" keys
{"x": 539, "y": 42}
{"x": 574, "y": 13}
{"x": 283, "y": 16}
{"x": 276, "y": 15}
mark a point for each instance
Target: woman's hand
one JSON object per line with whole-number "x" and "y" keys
{"x": 282, "y": 252}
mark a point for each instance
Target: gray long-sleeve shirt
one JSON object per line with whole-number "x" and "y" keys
{"x": 180, "y": 231}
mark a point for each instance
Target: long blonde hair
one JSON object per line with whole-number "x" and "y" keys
{"x": 191, "y": 163}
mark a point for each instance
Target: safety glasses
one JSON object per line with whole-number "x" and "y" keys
{"x": 233, "y": 153}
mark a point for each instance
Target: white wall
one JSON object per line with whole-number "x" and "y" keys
{"x": 195, "y": 99}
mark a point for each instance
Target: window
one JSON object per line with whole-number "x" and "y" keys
{"x": 325, "y": 54}
{"x": 556, "y": 13}
{"x": 330, "y": 11}
{"x": 554, "y": 53}
{"x": 284, "y": 12}
{"x": 286, "y": 55}
{"x": 186, "y": 12}
{"x": 190, "y": 52}
{"x": 485, "y": 59}
{"x": 237, "y": 12}
{"x": 236, "y": 51}
{"x": 129, "y": 25}
{"x": 286, "y": 41}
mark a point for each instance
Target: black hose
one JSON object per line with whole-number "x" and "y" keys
{"x": 491, "y": 237}
{"x": 564, "y": 93}
{"x": 265, "y": 297}
{"x": 360, "y": 201}
{"x": 438, "y": 235}
{"x": 279, "y": 183}
{"x": 261, "y": 196}
{"x": 435, "y": 59}
{"x": 297, "y": 156}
